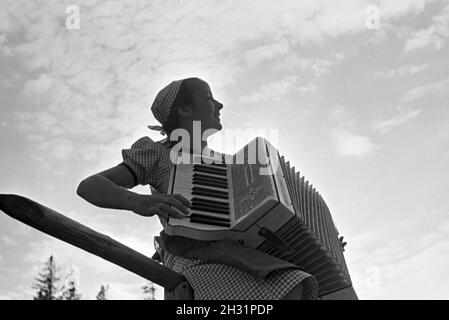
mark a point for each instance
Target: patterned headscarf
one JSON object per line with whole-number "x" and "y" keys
{"x": 162, "y": 104}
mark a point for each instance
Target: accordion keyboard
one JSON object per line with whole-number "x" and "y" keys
{"x": 207, "y": 188}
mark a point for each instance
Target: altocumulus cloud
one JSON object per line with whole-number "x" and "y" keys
{"x": 350, "y": 144}
{"x": 400, "y": 119}
{"x": 112, "y": 67}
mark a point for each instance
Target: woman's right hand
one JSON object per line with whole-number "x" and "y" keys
{"x": 162, "y": 205}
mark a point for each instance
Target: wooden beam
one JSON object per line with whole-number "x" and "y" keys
{"x": 74, "y": 233}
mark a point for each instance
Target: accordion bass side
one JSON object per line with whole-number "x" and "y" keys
{"x": 256, "y": 198}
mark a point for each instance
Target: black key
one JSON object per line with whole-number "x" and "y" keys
{"x": 210, "y": 170}
{"x": 204, "y": 208}
{"x": 202, "y": 182}
{"x": 208, "y": 183}
{"x": 203, "y": 189}
{"x": 198, "y": 191}
{"x": 210, "y": 195}
{"x": 206, "y": 177}
{"x": 209, "y": 202}
{"x": 210, "y": 167}
{"x": 213, "y": 164}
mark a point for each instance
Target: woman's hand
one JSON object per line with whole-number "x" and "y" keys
{"x": 162, "y": 205}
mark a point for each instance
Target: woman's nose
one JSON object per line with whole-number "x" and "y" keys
{"x": 218, "y": 105}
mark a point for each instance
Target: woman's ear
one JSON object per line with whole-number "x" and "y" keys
{"x": 185, "y": 110}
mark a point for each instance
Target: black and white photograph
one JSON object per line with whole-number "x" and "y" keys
{"x": 224, "y": 150}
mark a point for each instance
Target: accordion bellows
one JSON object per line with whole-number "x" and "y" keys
{"x": 255, "y": 197}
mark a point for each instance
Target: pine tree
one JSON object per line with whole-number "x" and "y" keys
{"x": 47, "y": 281}
{"x": 70, "y": 291}
{"x": 148, "y": 291}
{"x": 103, "y": 293}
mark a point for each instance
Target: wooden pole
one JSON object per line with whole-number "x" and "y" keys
{"x": 70, "y": 231}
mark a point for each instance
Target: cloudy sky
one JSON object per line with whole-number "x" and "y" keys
{"x": 355, "y": 88}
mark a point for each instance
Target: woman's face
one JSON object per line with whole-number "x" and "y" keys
{"x": 206, "y": 109}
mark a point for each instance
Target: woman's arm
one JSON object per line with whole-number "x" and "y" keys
{"x": 108, "y": 189}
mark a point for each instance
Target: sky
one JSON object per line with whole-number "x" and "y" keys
{"x": 355, "y": 90}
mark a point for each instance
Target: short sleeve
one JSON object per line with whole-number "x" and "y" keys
{"x": 142, "y": 159}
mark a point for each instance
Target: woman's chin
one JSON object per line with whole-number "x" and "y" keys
{"x": 215, "y": 125}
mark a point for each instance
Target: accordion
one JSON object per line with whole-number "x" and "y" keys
{"x": 256, "y": 198}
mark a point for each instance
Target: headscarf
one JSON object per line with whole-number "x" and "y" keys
{"x": 162, "y": 104}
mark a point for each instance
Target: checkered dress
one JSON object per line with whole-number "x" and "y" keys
{"x": 150, "y": 162}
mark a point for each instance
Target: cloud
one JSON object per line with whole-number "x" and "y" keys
{"x": 125, "y": 291}
{"x": 350, "y": 144}
{"x": 259, "y": 54}
{"x": 307, "y": 88}
{"x": 97, "y": 82}
{"x": 402, "y": 118}
{"x": 434, "y": 37}
{"x": 393, "y": 262}
{"x": 9, "y": 242}
{"x": 39, "y": 86}
{"x": 426, "y": 89}
{"x": 347, "y": 142}
{"x": 5, "y": 84}
{"x": 317, "y": 66}
{"x": 399, "y": 72}
{"x": 275, "y": 90}
{"x": 16, "y": 295}
{"x": 68, "y": 255}
{"x": 93, "y": 270}
{"x": 341, "y": 117}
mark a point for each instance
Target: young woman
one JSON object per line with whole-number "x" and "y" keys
{"x": 214, "y": 269}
